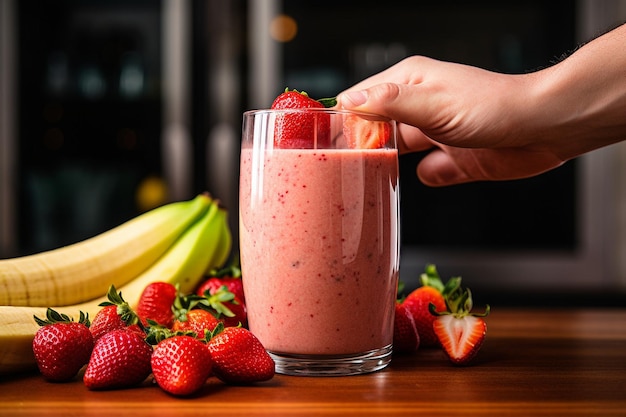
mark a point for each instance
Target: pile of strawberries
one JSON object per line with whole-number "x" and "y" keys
{"x": 438, "y": 315}
{"x": 181, "y": 340}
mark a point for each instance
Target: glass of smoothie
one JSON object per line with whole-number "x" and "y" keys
{"x": 319, "y": 238}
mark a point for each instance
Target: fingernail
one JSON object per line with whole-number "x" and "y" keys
{"x": 356, "y": 98}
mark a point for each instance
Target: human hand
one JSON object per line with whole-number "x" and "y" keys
{"x": 471, "y": 119}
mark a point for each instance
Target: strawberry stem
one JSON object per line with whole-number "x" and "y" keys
{"x": 458, "y": 299}
{"x": 430, "y": 278}
{"x": 233, "y": 270}
{"x": 53, "y": 316}
{"x": 126, "y": 313}
{"x": 459, "y": 304}
{"x": 328, "y": 102}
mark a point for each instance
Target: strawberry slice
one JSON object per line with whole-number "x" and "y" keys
{"x": 303, "y": 130}
{"x": 461, "y": 337}
{"x": 460, "y": 332}
{"x": 361, "y": 133}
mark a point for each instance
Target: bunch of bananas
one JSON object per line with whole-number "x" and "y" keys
{"x": 176, "y": 243}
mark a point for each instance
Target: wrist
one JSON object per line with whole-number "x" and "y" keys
{"x": 581, "y": 101}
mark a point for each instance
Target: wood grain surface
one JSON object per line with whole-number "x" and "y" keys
{"x": 533, "y": 363}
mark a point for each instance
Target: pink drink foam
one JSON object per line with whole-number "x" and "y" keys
{"x": 319, "y": 249}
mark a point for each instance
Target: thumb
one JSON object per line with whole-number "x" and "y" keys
{"x": 400, "y": 102}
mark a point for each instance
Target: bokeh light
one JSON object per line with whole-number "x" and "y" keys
{"x": 283, "y": 28}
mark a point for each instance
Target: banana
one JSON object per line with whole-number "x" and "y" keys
{"x": 185, "y": 263}
{"x": 206, "y": 244}
{"x": 224, "y": 248}
{"x": 86, "y": 269}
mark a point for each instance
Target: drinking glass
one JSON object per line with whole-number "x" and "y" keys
{"x": 319, "y": 238}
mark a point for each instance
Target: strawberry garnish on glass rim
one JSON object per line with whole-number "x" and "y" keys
{"x": 308, "y": 129}
{"x": 460, "y": 332}
{"x": 304, "y": 129}
{"x": 362, "y": 133}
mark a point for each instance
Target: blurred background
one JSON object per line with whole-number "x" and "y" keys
{"x": 109, "y": 108}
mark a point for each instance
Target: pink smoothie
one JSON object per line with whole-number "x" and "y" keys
{"x": 319, "y": 248}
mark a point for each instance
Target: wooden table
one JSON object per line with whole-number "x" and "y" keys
{"x": 534, "y": 363}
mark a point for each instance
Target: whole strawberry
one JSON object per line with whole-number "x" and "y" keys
{"x": 198, "y": 321}
{"x": 120, "y": 359}
{"x": 303, "y": 129}
{"x": 62, "y": 346}
{"x": 226, "y": 307}
{"x": 239, "y": 357}
{"x": 229, "y": 277}
{"x": 115, "y": 314}
{"x": 417, "y": 302}
{"x": 238, "y": 315}
{"x": 181, "y": 364}
{"x": 460, "y": 332}
{"x": 405, "y": 336}
{"x": 156, "y": 303}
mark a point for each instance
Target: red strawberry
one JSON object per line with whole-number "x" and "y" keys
{"x": 181, "y": 364}
{"x": 156, "y": 303}
{"x": 213, "y": 284}
{"x": 303, "y": 129}
{"x": 239, "y": 357}
{"x": 120, "y": 359}
{"x": 197, "y": 320}
{"x": 62, "y": 346}
{"x": 405, "y": 336}
{"x": 230, "y": 277}
{"x": 460, "y": 332}
{"x": 221, "y": 293}
{"x": 239, "y": 313}
{"x": 417, "y": 302}
{"x": 226, "y": 306}
{"x": 115, "y": 314}
{"x": 361, "y": 133}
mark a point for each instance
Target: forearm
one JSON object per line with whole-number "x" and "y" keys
{"x": 579, "y": 104}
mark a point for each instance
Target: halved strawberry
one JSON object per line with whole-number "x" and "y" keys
{"x": 361, "y": 133}
{"x": 460, "y": 332}
{"x": 302, "y": 129}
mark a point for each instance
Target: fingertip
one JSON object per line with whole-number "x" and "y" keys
{"x": 437, "y": 169}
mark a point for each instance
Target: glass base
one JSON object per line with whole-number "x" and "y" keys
{"x": 332, "y": 365}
